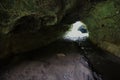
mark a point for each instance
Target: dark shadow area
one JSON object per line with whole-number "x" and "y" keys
{"x": 100, "y": 61}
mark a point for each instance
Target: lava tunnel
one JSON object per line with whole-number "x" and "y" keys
{"x": 78, "y": 31}
{"x": 59, "y": 39}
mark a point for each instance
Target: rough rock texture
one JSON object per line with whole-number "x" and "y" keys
{"x": 29, "y": 24}
{"x": 70, "y": 67}
{"x": 104, "y": 25}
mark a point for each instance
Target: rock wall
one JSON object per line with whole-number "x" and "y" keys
{"x": 70, "y": 67}
{"x": 104, "y": 26}
{"x": 29, "y": 24}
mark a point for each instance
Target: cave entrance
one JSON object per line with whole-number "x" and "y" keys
{"x": 77, "y": 32}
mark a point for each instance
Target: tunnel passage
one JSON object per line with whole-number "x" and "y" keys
{"x": 101, "y": 17}
{"x": 77, "y": 32}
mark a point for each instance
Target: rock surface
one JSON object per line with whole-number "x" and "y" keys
{"x": 29, "y": 24}
{"x": 69, "y": 67}
{"x": 103, "y": 24}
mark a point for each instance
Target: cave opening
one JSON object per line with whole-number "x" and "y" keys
{"x": 77, "y": 32}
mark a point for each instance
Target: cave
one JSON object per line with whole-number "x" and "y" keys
{"x": 59, "y": 40}
{"x": 77, "y": 32}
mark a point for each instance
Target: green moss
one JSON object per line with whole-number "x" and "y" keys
{"x": 103, "y": 24}
{"x": 104, "y": 10}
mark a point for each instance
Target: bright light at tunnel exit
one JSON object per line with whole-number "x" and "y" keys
{"x": 75, "y": 34}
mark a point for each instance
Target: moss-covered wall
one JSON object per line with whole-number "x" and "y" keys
{"x": 29, "y": 24}
{"x": 104, "y": 25}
